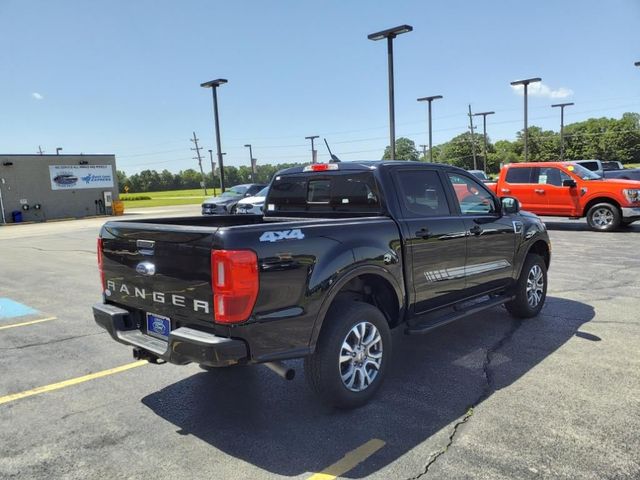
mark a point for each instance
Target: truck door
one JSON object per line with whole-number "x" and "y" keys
{"x": 434, "y": 239}
{"x": 521, "y": 183}
{"x": 560, "y": 200}
{"x": 492, "y": 236}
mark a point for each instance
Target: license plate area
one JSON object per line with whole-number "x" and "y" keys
{"x": 158, "y": 326}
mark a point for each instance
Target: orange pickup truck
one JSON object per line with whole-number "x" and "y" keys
{"x": 566, "y": 189}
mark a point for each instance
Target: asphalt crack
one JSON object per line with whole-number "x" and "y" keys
{"x": 49, "y": 342}
{"x": 486, "y": 391}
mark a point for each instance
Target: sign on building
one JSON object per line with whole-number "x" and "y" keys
{"x": 73, "y": 177}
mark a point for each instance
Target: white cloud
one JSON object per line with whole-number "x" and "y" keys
{"x": 37, "y": 96}
{"x": 539, "y": 89}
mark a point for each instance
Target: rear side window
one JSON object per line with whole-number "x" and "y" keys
{"x": 519, "y": 175}
{"x": 348, "y": 192}
{"x": 593, "y": 166}
{"x": 422, "y": 193}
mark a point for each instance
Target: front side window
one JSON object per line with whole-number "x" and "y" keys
{"x": 552, "y": 176}
{"x": 422, "y": 193}
{"x": 471, "y": 196}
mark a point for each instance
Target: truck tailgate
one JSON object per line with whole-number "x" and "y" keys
{"x": 162, "y": 270}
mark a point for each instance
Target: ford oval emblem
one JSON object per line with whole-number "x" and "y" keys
{"x": 146, "y": 268}
{"x": 158, "y": 326}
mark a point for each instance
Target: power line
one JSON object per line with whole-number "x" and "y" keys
{"x": 199, "y": 158}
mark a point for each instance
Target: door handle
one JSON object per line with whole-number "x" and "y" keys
{"x": 539, "y": 190}
{"x": 423, "y": 233}
{"x": 505, "y": 190}
{"x": 476, "y": 230}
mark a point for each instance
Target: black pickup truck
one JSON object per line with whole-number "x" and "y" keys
{"x": 344, "y": 253}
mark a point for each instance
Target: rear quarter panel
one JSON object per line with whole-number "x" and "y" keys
{"x": 298, "y": 275}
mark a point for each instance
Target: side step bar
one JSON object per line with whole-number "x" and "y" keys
{"x": 432, "y": 324}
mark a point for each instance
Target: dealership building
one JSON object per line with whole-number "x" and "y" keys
{"x": 48, "y": 187}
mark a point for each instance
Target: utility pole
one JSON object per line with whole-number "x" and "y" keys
{"x": 199, "y": 158}
{"x": 424, "y": 152}
{"x": 561, "y": 105}
{"x": 40, "y": 150}
{"x": 314, "y": 156}
{"x": 484, "y": 133}
{"x": 473, "y": 143}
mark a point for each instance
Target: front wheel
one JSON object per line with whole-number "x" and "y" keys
{"x": 604, "y": 217}
{"x": 351, "y": 356}
{"x": 531, "y": 288}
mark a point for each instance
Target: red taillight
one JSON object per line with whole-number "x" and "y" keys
{"x": 100, "y": 263}
{"x": 234, "y": 277}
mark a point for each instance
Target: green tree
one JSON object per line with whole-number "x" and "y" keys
{"x": 459, "y": 152}
{"x": 405, "y": 150}
{"x": 122, "y": 180}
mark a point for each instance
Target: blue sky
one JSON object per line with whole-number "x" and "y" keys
{"x": 123, "y": 76}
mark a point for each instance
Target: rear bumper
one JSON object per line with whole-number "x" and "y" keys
{"x": 185, "y": 345}
{"x": 631, "y": 213}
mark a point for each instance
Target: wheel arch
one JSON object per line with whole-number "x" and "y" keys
{"x": 597, "y": 200}
{"x": 371, "y": 284}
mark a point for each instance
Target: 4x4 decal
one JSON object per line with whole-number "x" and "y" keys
{"x": 295, "y": 234}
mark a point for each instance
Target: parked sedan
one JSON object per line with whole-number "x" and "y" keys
{"x": 226, "y": 203}
{"x": 253, "y": 205}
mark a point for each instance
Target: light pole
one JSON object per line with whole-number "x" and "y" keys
{"x": 484, "y": 132}
{"x": 562, "y": 105}
{"x": 253, "y": 167}
{"x": 213, "y": 85}
{"x": 430, "y": 99}
{"x": 313, "y": 151}
{"x": 390, "y": 34}
{"x": 213, "y": 171}
{"x": 526, "y": 83}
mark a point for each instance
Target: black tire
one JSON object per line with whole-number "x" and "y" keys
{"x": 604, "y": 217}
{"x": 521, "y": 306}
{"x": 324, "y": 371}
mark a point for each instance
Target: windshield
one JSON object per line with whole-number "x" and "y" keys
{"x": 582, "y": 172}
{"x": 234, "y": 192}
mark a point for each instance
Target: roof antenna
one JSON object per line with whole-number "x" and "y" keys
{"x": 334, "y": 159}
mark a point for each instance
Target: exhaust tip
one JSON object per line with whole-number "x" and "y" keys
{"x": 281, "y": 369}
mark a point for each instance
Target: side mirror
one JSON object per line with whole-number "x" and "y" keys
{"x": 569, "y": 182}
{"x": 510, "y": 205}
{"x": 247, "y": 194}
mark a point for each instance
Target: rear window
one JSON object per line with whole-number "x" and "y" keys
{"x": 519, "y": 175}
{"x": 340, "y": 192}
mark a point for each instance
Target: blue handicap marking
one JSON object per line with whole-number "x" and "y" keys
{"x": 10, "y": 309}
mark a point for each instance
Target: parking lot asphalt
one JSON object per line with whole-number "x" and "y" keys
{"x": 557, "y": 396}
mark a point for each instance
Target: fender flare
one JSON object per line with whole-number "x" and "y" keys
{"x": 341, "y": 282}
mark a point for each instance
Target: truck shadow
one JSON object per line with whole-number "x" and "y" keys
{"x": 252, "y": 415}
{"x": 582, "y": 226}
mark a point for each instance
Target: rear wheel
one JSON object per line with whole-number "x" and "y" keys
{"x": 351, "y": 356}
{"x": 531, "y": 288}
{"x": 604, "y": 217}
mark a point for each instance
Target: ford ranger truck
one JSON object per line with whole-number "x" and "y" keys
{"x": 567, "y": 189}
{"x": 344, "y": 253}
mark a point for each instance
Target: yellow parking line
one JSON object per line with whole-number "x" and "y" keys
{"x": 24, "y": 324}
{"x": 349, "y": 461}
{"x": 68, "y": 383}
